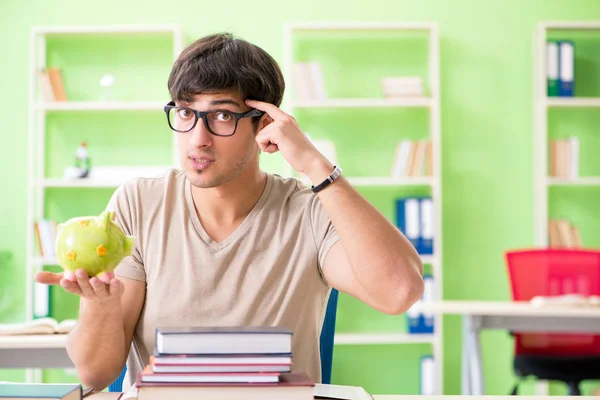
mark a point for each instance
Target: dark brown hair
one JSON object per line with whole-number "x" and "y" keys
{"x": 222, "y": 61}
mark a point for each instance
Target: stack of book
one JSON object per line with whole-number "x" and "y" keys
{"x": 224, "y": 363}
{"x": 564, "y": 158}
{"x": 402, "y": 86}
{"x": 413, "y": 158}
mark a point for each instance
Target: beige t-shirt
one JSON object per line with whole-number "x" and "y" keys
{"x": 266, "y": 273}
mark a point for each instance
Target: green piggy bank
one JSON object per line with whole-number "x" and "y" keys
{"x": 94, "y": 244}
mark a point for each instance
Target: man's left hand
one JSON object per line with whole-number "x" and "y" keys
{"x": 284, "y": 134}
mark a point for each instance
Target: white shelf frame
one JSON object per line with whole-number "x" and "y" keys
{"x": 541, "y": 104}
{"x": 38, "y": 110}
{"x": 382, "y": 338}
{"x": 409, "y": 101}
{"x": 99, "y": 106}
{"x": 433, "y": 104}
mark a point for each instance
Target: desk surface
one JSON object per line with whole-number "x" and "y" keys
{"x": 115, "y": 396}
{"x": 459, "y": 307}
{"x": 508, "y": 308}
{"x": 56, "y": 341}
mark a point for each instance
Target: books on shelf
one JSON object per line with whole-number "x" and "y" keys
{"x": 402, "y": 86}
{"x": 563, "y": 234}
{"x": 224, "y": 363}
{"x": 309, "y": 82}
{"x": 427, "y": 375}
{"x": 564, "y": 158}
{"x": 422, "y": 322}
{"x": 412, "y": 158}
{"x": 52, "y": 86}
{"x": 39, "y": 326}
{"x": 45, "y": 234}
{"x": 560, "y": 68}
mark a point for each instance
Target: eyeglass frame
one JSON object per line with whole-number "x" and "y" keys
{"x": 253, "y": 112}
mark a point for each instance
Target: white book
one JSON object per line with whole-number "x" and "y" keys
{"x": 402, "y": 152}
{"x": 302, "y": 84}
{"x": 39, "y": 326}
{"x": 317, "y": 80}
{"x": 573, "y": 163}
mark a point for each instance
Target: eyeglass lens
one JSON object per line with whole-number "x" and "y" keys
{"x": 219, "y": 122}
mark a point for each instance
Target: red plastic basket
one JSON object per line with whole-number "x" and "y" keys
{"x": 551, "y": 272}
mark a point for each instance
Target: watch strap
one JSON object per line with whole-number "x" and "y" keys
{"x": 337, "y": 172}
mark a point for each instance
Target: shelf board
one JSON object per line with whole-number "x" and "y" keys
{"x": 101, "y": 106}
{"x": 81, "y": 183}
{"x": 44, "y": 261}
{"x": 364, "y": 103}
{"x": 573, "y": 101}
{"x": 112, "y": 29}
{"x": 384, "y": 181}
{"x": 428, "y": 259}
{"x": 570, "y": 25}
{"x": 360, "y": 26}
{"x": 391, "y": 181}
{"x": 381, "y": 338}
{"x": 582, "y": 181}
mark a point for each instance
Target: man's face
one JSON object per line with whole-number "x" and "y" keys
{"x": 209, "y": 160}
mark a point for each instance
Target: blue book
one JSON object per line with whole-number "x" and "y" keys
{"x": 41, "y": 391}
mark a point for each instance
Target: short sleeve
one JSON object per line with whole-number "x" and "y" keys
{"x": 324, "y": 232}
{"x": 123, "y": 206}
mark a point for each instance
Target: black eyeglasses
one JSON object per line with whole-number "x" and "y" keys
{"x": 218, "y": 122}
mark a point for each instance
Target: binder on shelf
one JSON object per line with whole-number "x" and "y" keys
{"x": 426, "y": 217}
{"x": 418, "y": 322}
{"x": 566, "y": 55}
{"x": 427, "y": 375}
{"x": 41, "y": 300}
{"x": 414, "y": 218}
{"x": 552, "y": 67}
{"x": 407, "y": 219}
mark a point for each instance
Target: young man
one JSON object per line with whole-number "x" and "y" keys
{"x": 222, "y": 243}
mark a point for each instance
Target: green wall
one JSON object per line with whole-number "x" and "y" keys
{"x": 486, "y": 132}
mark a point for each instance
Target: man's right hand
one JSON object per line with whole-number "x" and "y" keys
{"x": 104, "y": 287}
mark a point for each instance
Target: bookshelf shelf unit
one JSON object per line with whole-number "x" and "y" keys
{"x": 40, "y": 110}
{"x": 542, "y": 105}
{"x": 430, "y": 103}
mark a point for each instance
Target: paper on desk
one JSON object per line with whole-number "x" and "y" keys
{"x": 567, "y": 300}
{"x": 341, "y": 392}
{"x": 131, "y": 393}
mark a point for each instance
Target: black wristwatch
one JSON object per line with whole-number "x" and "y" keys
{"x": 337, "y": 172}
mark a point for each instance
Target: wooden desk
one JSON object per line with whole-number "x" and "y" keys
{"x": 509, "y": 316}
{"x": 34, "y": 351}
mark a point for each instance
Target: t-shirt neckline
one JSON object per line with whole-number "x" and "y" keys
{"x": 240, "y": 230}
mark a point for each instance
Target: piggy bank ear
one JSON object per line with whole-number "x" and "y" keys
{"x": 106, "y": 217}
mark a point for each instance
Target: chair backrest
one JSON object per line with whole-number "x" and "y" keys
{"x": 554, "y": 272}
{"x": 325, "y": 345}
